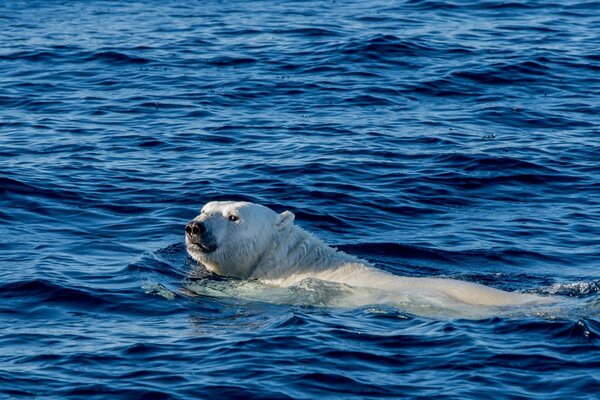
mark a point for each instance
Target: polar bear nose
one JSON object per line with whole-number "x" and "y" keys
{"x": 195, "y": 228}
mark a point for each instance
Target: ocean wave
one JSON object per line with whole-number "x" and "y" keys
{"x": 40, "y": 291}
{"x": 116, "y": 58}
{"x": 574, "y": 289}
{"x": 19, "y": 188}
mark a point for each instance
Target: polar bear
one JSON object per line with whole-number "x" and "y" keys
{"x": 251, "y": 241}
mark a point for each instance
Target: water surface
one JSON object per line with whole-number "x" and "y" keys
{"x": 432, "y": 138}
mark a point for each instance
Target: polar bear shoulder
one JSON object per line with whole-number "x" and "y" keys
{"x": 297, "y": 254}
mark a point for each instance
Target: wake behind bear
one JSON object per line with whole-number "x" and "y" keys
{"x": 251, "y": 241}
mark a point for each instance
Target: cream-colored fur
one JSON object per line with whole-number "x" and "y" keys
{"x": 257, "y": 243}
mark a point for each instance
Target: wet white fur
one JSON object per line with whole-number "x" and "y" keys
{"x": 267, "y": 246}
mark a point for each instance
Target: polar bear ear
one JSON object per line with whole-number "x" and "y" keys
{"x": 284, "y": 219}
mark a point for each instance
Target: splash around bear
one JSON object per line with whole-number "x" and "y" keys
{"x": 251, "y": 241}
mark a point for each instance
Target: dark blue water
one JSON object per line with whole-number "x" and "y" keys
{"x": 432, "y": 138}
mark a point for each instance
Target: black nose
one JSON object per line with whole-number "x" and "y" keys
{"x": 195, "y": 228}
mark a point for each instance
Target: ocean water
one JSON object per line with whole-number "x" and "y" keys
{"x": 454, "y": 139}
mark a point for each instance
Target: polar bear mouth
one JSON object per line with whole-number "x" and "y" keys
{"x": 203, "y": 247}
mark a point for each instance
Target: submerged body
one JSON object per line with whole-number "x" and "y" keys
{"x": 250, "y": 241}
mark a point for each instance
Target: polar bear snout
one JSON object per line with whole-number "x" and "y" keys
{"x": 198, "y": 239}
{"x": 195, "y": 228}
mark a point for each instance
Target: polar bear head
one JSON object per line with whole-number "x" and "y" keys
{"x": 230, "y": 238}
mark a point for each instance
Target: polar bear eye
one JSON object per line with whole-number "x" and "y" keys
{"x": 233, "y": 218}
